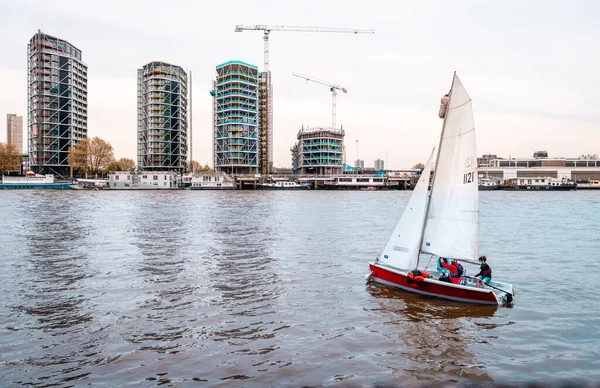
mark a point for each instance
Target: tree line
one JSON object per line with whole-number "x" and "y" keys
{"x": 90, "y": 156}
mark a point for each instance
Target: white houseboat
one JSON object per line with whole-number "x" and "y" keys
{"x": 214, "y": 181}
{"x": 538, "y": 183}
{"x": 148, "y": 180}
{"x": 283, "y": 185}
{"x": 360, "y": 182}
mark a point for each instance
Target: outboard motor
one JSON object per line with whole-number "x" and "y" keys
{"x": 507, "y": 298}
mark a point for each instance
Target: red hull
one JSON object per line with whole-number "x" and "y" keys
{"x": 432, "y": 287}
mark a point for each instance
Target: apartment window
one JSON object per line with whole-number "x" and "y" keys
{"x": 116, "y": 177}
{"x": 155, "y": 177}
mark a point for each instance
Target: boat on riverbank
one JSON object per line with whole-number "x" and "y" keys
{"x": 33, "y": 181}
{"x": 360, "y": 182}
{"x": 486, "y": 184}
{"x": 538, "y": 184}
{"x": 443, "y": 221}
{"x": 211, "y": 182}
{"x": 283, "y": 185}
{"x": 589, "y": 185}
{"x": 148, "y": 180}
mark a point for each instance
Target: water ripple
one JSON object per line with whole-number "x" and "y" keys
{"x": 264, "y": 288}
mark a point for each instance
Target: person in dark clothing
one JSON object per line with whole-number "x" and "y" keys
{"x": 485, "y": 273}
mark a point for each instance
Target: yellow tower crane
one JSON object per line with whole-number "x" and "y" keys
{"x": 332, "y": 87}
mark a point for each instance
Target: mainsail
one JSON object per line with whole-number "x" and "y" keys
{"x": 402, "y": 250}
{"x": 452, "y": 223}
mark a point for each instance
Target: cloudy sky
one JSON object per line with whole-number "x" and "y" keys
{"x": 532, "y": 68}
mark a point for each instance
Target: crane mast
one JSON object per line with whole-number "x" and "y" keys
{"x": 267, "y": 113}
{"x": 332, "y": 87}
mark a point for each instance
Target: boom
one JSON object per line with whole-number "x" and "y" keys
{"x": 332, "y": 87}
{"x": 267, "y": 30}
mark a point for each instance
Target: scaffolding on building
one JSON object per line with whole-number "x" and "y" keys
{"x": 57, "y": 103}
{"x": 162, "y": 117}
{"x": 236, "y": 129}
{"x": 266, "y": 123}
{"x": 318, "y": 151}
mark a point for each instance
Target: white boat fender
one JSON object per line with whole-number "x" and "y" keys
{"x": 368, "y": 276}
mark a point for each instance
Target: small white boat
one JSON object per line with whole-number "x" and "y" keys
{"x": 486, "y": 184}
{"x": 592, "y": 184}
{"x": 283, "y": 185}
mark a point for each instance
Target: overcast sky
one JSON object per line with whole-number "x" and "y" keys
{"x": 532, "y": 68}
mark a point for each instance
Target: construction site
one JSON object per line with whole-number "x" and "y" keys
{"x": 318, "y": 151}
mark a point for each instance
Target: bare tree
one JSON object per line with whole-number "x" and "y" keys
{"x": 418, "y": 166}
{"x": 9, "y": 158}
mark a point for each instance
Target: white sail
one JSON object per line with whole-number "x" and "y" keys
{"x": 402, "y": 250}
{"x": 452, "y": 223}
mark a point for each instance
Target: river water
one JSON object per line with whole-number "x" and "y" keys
{"x": 249, "y": 288}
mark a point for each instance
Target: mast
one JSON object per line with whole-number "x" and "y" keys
{"x": 191, "y": 165}
{"x": 437, "y": 158}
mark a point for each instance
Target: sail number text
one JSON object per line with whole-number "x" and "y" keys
{"x": 468, "y": 177}
{"x": 469, "y": 162}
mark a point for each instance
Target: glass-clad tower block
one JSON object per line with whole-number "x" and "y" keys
{"x": 162, "y": 117}
{"x": 57, "y": 103}
{"x": 236, "y": 128}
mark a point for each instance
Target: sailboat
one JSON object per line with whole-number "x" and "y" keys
{"x": 443, "y": 221}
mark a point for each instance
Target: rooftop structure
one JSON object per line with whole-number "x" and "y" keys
{"x": 237, "y": 139}
{"x": 318, "y": 151}
{"x": 584, "y": 167}
{"x": 57, "y": 103}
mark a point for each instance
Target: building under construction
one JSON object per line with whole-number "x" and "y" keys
{"x": 318, "y": 151}
{"x": 237, "y": 138}
{"x": 266, "y": 123}
{"x": 57, "y": 103}
{"x": 162, "y": 117}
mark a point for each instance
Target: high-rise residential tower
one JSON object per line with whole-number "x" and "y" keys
{"x": 162, "y": 117}
{"x": 14, "y": 131}
{"x": 236, "y": 119}
{"x": 57, "y": 103}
